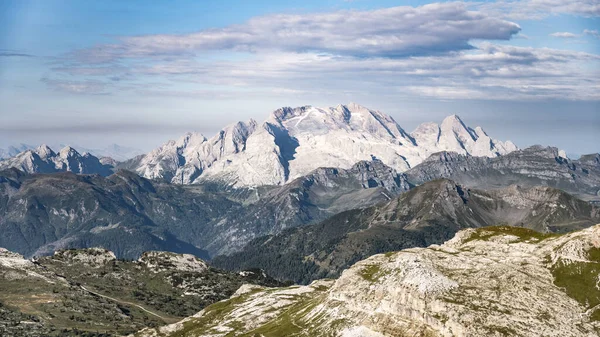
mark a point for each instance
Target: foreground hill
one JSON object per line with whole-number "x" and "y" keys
{"x": 91, "y": 293}
{"x": 495, "y": 281}
{"x": 533, "y": 166}
{"x": 428, "y": 214}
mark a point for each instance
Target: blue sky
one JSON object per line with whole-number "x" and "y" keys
{"x": 138, "y": 73}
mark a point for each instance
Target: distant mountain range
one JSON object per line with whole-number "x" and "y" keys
{"x": 295, "y": 141}
{"x": 114, "y": 151}
{"x": 13, "y": 150}
{"x": 44, "y": 160}
{"x": 130, "y": 214}
{"x": 117, "y": 152}
{"x": 254, "y": 180}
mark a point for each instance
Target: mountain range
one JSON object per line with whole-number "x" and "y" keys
{"x": 128, "y": 214}
{"x": 115, "y": 151}
{"x": 295, "y": 141}
{"x": 428, "y": 214}
{"x": 44, "y": 160}
{"x": 533, "y": 166}
{"x": 305, "y": 195}
{"x": 13, "y": 150}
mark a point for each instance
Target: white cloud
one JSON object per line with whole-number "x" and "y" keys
{"x": 389, "y": 32}
{"x": 489, "y": 72}
{"x": 564, "y": 35}
{"x": 426, "y": 51}
{"x": 595, "y": 33}
{"x": 87, "y": 87}
{"x": 539, "y": 9}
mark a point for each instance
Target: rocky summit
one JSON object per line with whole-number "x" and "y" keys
{"x": 495, "y": 281}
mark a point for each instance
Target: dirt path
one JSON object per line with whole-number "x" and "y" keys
{"x": 168, "y": 320}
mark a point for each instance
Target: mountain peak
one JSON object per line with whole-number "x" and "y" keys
{"x": 355, "y": 107}
{"x": 480, "y": 132}
{"x": 44, "y": 151}
{"x": 286, "y": 113}
{"x": 191, "y": 139}
{"x": 68, "y": 151}
{"x": 454, "y": 122}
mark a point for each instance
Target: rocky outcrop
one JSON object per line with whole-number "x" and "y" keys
{"x": 494, "y": 281}
{"x": 161, "y": 261}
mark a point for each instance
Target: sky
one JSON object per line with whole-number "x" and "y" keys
{"x": 138, "y": 73}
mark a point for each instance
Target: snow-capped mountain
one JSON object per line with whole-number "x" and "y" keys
{"x": 453, "y": 135}
{"x": 44, "y": 160}
{"x": 294, "y": 141}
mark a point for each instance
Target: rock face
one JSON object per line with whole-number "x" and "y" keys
{"x": 533, "y": 166}
{"x": 44, "y": 160}
{"x": 161, "y": 261}
{"x": 428, "y": 214}
{"x": 295, "y": 141}
{"x": 89, "y": 292}
{"x": 308, "y": 199}
{"x": 494, "y": 281}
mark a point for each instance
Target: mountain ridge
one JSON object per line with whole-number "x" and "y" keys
{"x": 294, "y": 141}
{"x": 532, "y": 166}
{"x": 44, "y": 160}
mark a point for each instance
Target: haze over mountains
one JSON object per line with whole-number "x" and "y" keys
{"x": 114, "y": 151}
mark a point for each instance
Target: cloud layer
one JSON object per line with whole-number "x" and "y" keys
{"x": 390, "y": 32}
{"x": 539, "y": 9}
{"x": 432, "y": 51}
